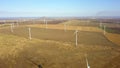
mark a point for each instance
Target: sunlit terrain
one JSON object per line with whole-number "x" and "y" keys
{"x": 53, "y": 44}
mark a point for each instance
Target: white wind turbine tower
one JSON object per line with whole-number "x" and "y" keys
{"x": 29, "y": 31}
{"x": 11, "y": 25}
{"x": 45, "y": 22}
{"x": 88, "y": 66}
{"x": 104, "y": 29}
{"x": 97, "y": 17}
{"x": 76, "y": 37}
{"x": 100, "y": 24}
{"x": 24, "y": 20}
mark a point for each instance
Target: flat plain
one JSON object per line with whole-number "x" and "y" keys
{"x": 53, "y": 47}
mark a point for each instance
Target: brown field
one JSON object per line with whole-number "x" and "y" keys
{"x": 55, "y": 48}
{"x": 114, "y": 38}
{"x": 81, "y": 28}
{"x": 111, "y": 36}
{"x": 21, "y": 52}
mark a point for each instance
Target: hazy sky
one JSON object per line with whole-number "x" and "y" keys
{"x": 29, "y": 8}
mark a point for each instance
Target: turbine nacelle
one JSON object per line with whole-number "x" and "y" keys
{"x": 76, "y": 31}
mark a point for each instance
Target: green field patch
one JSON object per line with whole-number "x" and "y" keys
{"x": 111, "y": 29}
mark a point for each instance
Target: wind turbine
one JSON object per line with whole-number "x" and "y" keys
{"x": 100, "y": 24}
{"x": 44, "y": 20}
{"x": 46, "y": 24}
{"x": 30, "y": 36}
{"x": 76, "y": 37}
{"x": 104, "y": 29}
{"x": 11, "y": 27}
{"x": 88, "y": 66}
